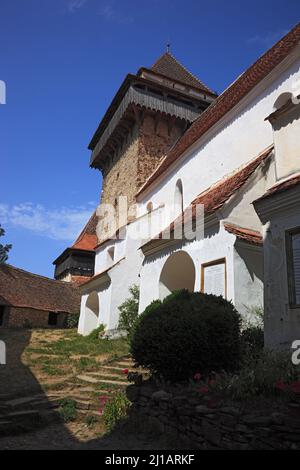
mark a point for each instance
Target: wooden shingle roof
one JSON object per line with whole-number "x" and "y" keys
{"x": 20, "y": 288}
{"x": 168, "y": 66}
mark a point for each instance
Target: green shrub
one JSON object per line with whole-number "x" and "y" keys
{"x": 254, "y": 316}
{"x": 96, "y": 333}
{"x": 115, "y": 409}
{"x": 129, "y": 311}
{"x": 67, "y": 409}
{"x": 90, "y": 420}
{"x": 187, "y": 333}
{"x": 252, "y": 342}
{"x": 72, "y": 320}
{"x": 259, "y": 378}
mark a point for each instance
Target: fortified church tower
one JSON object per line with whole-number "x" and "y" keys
{"x": 148, "y": 114}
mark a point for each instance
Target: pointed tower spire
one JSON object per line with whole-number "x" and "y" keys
{"x": 170, "y": 67}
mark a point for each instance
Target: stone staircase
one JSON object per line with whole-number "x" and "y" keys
{"x": 26, "y": 413}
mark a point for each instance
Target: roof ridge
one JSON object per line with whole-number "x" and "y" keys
{"x": 85, "y": 228}
{"x": 168, "y": 59}
{"x": 189, "y": 72}
{"x": 34, "y": 274}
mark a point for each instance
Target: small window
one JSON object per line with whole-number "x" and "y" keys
{"x": 293, "y": 265}
{"x": 52, "y": 319}
{"x": 2, "y": 310}
{"x": 178, "y": 200}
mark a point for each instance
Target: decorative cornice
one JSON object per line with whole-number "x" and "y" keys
{"x": 276, "y": 203}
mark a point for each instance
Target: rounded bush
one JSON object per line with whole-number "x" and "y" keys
{"x": 187, "y": 333}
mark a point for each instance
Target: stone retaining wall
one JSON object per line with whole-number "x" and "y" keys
{"x": 192, "y": 422}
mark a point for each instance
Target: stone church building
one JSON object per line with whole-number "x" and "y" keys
{"x": 170, "y": 145}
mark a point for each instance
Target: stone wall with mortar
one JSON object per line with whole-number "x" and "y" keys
{"x": 198, "y": 422}
{"x": 137, "y": 158}
{"x": 25, "y": 317}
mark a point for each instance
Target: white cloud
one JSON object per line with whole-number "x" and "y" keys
{"x": 59, "y": 224}
{"x": 109, "y": 13}
{"x": 74, "y": 5}
{"x": 268, "y": 39}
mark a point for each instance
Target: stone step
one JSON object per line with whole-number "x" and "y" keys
{"x": 114, "y": 368}
{"x": 87, "y": 378}
{"x": 90, "y": 412}
{"x": 46, "y": 403}
{"x": 124, "y": 365}
{"x": 105, "y": 375}
{"x": 82, "y": 389}
{"x": 22, "y": 400}
{"x": 113, "y": 382}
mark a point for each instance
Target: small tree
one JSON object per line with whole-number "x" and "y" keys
{"x": 4, "y": 249}
{"x": 129, "y": 310}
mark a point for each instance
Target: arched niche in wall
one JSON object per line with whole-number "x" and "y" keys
{"x": 177, "y": 273}
{"x": 91, "y": 313}
{"x": 178, "y": 198}
{"x": 285, "y": 121}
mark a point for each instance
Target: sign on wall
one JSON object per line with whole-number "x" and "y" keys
{"x": 213, "y": 277}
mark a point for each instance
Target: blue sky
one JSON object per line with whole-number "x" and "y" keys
{"x": 62, "y": 62}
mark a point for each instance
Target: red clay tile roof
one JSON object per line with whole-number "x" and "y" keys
{"x": 280, "y": 187}
{"x": 168, "y": 66}
{"x": 251, "y": 236}
{"x": 21, "y": 288}
{"x": 228, "y": 99}
{"x": 218, "y": 194}
{"x": 87, "y": 240}
{"x": 78, "y": 280}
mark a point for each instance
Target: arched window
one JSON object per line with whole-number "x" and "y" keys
{"x": 178, "y": 199}
{"x": 91, "y": 313}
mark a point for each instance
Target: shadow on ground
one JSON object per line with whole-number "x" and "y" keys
{"x": 15, "y": 378}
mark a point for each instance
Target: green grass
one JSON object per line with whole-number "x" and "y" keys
{"x": 67, "y": 410}
{"x": 74, "y": 344}
{"x": 86, "y": 363}
{"x": 50, "y": 370}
